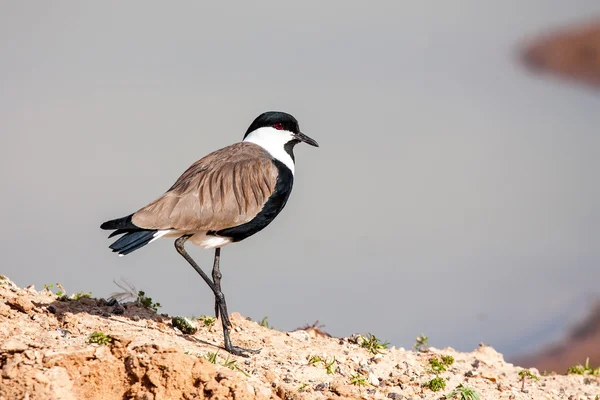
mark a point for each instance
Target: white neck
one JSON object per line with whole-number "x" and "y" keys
{"x": 273, "y": 140}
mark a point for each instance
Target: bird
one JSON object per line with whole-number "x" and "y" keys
{"x": 223, "y": 198}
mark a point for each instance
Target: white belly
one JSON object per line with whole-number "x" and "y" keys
{"x": 199, "y": 239}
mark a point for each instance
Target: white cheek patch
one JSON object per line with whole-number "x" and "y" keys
{"x": 273, "y": 140}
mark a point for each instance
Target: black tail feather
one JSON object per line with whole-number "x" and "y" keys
{"x": 134, "y": 237}
{"x": 132, "y": 241}
{"x": 120, "y": 223}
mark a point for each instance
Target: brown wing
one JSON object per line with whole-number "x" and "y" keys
{"x": 224, "y": 189}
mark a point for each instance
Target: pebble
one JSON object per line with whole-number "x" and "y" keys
{"x": 301, "y": 335}
{"x": 118, "y": 310}
{"x": 4, "y": 310}
{"x": 12, "y": 346}
{"x": 395, "y": 396}
{"x": 373, "y": 379}
{"x": 21, "y": 303}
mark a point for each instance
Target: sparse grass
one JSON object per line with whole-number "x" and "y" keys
{"x": 59, "y": 292}
{"x": 313, "y": 360}
{"x": 421, "y": 343}
{"x": 302, "y": 387}
{"x": 99, "y": 338}
{"x": 265, "y": 323}
{"x": 358, "y": 380}
{"x": 329, "y": 365}
{"x": 229, "y": 363}
{"x": 586, "y": 369}
{"x": 81, "y": 295}
{"x": 207, "y": 320}
{"x": 527, "y": 374}
{"x": 372, "y": 344}
{"x": 211, "y": 357}
{"x": 436, "y": 384}
{"x": 464, "y": 393}
{"x": 439, "y": 365}
{"x": 145, "y": 301}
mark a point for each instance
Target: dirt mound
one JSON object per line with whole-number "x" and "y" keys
{"x": 46, "y": 353}
{"x": 572, "y": 52}
{"x": 583, "y": 342}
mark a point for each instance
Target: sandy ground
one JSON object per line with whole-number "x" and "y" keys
{"x": 45, "y": 354}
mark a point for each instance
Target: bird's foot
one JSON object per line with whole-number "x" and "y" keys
{"x": 240, "y": 351}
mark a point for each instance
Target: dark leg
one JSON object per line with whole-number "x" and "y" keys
{"x": 216, "y": 274}
{"x": 219, "y": 298}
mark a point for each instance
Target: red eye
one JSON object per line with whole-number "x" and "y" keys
{"x": 278, "y": 127}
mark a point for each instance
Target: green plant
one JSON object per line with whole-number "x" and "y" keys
{"x": 422, "y": 343}
{"x": 265, "y": 323}
{"x": 211, "y": 357}
{"x": 145, "y": 301}
{"x": 99, "y": 338}
{"x": 586, "y": 369}
{"x": 525, "y": 373}
{"x": 208, "y": 321}
{"x": 330, "y": 366}
{"x": 302, "y": 387}
{"x": 185, "y": 325}
{"x": 59, "y": 293}
{"x": 464, "y": 393}
{"x": 358, "y": 380}
{"x": 448, "y": 360}
{"x": 312, "y": 360}
{"x": 231, "y": 364}
{"x": 372, "y": 344}
{"x": 80, "y": 295}
{"x": 436, "y": 384}
{"x": 439, "y": 365}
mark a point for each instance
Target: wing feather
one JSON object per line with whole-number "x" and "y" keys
{"x": 226, "y": 188}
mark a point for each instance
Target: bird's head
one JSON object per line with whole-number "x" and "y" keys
{"x": 276, "y": 128}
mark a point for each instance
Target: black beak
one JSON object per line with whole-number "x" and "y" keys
{"x": 303, "y": 138}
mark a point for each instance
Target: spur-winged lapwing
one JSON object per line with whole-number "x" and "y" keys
{"x": 223, "y": 198}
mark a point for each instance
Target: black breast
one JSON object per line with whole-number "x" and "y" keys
{"x": 272, "y": 207}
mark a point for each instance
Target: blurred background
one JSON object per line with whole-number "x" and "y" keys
{"x": 455, "y": 192}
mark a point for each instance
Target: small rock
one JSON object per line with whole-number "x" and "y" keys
{"x": 395, "y": 396}
{"x": 373, "y": 380}
{"x": 12, "y": 346}
{"x": 4, "y": 310}
{"x": 135, "y": 318}
{"x": 118, "y": 310}
{"x": 301, "y": 335}
{"x": 63, "y": 332}
{"x": 377, "y": 359}
{"x": 475, "y": 364}
{"x": 355, "y": 338}
{"x": 322, "y": 386}
{"x": 185, "y": 325}
{"x": 21, "y": 303}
